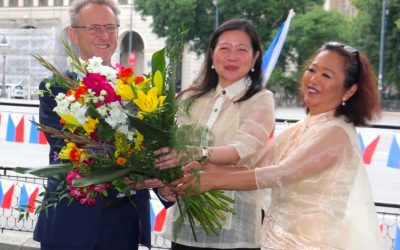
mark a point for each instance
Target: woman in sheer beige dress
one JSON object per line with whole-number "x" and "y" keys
{"x": 321, "y": 197}
{"x": 238, "y": 116}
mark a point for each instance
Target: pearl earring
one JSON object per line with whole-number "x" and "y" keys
{"x": 252, "y": 70}
{"x": 212, "y": 66}
{"x": 343, "y": 102}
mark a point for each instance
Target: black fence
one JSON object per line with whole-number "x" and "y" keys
{"x": 389, "y": 214}
{"x": 9, "y": 217}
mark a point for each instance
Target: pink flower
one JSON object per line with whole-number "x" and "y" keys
{"x": 97, "y": 82}
{"x": 75, "y": 192}
{"x": 99, "y": 187}
{"x": 72, "y": 175}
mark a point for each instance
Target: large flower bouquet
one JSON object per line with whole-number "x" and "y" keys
{"x": 113, "y": 121}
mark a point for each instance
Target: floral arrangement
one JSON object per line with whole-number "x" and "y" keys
{"x": 113, "y": 121}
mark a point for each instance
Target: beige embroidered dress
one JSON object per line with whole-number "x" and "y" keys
{"x": 322, "y": 197}
{"x": 247, "y": 126}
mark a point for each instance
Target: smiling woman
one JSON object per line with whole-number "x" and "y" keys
{"x": 237, "y": 118}
{"x": 321, "y": 196}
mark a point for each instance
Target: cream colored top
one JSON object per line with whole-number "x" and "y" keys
{"x": 247, "y": 126}
{"x": 322, "y": 197}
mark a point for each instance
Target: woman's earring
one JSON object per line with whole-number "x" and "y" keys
{"x": 343, "y": 102}
{"x": 212, "y": 66}
{"x": 252, "y": 70}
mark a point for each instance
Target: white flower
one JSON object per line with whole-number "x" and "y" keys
{"x": 117, "y": 116}
{"x": 94, "y": 64}
{"x": 110, "y": 73}
{"x": 62, "y": 107}
{"x": 102, "y": 110}
{"x": 78, "y": 111}
{"x": 125, "y": 130}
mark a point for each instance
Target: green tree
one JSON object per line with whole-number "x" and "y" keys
{"x": 307, "y": 33}
{"x": 366, "y": 36}
{"x": 198, "y": 16}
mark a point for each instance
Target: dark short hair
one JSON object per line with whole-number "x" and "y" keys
{"x": 208, "y": 78}
{"x": 77, "y": 5}
{"x": 363, "y": 106}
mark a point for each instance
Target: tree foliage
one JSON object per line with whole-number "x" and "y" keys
{"x": 198, "y": 16}
{"x": 307, "y": 33}
{"x": 366, "y": 36}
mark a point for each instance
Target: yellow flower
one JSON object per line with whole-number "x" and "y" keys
{"x": 124, "y": 90}
{"x": 139, "y": 141}
{"x": 90, "y": 125}
{"x": 72, "y": 152}
{"x": 149, "y": 102}
{"x": 68, "y": 119}
{"x": 158, "y": 82}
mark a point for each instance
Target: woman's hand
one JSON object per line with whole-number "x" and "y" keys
{"x": 150, "y": 183}
{"x": 167, "y": 158}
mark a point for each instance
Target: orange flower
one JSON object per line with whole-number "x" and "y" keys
{"x": 121, "y": 160}
{"x": 80, "y": 91}
{"x": 125, "y": 74}
{"x": 69, "y": 92}
{"x": 77, "y": 155}
{"x": 139, "y": 80}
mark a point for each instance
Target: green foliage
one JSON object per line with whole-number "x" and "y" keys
{"x": 366, "y": 36}
{"x": 198, "y": 16}
{"x": 307, "y": 33}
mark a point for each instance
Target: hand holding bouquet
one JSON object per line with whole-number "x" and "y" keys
{"x": 112, "y": 122}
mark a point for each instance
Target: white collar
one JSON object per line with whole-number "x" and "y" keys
{"x": 234, "y": 89}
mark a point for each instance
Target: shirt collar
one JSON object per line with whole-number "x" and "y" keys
{"x": 234, "y": 89}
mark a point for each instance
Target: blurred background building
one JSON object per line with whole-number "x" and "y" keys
{"x": 36, "y": 26}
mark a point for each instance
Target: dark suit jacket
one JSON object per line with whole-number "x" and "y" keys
{"x": 78, "y": 225}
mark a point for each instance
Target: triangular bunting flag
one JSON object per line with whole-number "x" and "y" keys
{"x": 34, "y": 135}
{"x": 28, "y": 196}
{"x": 15, "y": 128}
{"x": 394, "y": 154}
{"x": 157, "y": 215}
{"x": 6, "y": 193}
{"x": 397, "y": 239}
{"x": 368, "y": 143}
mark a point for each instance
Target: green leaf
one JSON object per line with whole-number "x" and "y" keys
{"x": 101, "y": 175}
{"x": 158, "y": 64}
{"x": 48, "y": 171}
{"x": 105, "y": 132}
{"x": 148, "y": 130}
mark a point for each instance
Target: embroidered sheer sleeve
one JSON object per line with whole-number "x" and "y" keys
{"x": 257, "y": 122}
{"x": 304, "y": 155}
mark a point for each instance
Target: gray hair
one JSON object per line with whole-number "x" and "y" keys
{"x": 77, "y": 5}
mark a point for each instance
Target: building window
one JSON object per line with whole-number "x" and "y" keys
{"x": 123, "y": 1}
{"x": 28, "y": 3}
{"x": 58, "y": 2}
{"x": 43, "y": 2}
{"x": 13, "y": 3}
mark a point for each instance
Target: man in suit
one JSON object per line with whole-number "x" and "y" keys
{"x": 110, "y": 223}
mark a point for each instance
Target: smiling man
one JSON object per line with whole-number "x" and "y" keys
{"x": 110, "y": 223}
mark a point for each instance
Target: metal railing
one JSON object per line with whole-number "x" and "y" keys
{"x": 389, "y": 214}
{"x": 9, "y": 217}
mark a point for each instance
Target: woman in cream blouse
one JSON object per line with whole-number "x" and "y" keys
{"x": 238, "y": 116}
{"x": 321, "y": 197}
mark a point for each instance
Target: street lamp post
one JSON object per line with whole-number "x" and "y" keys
{"x": 216, "y": 14}
{"x": 4, "y": 47}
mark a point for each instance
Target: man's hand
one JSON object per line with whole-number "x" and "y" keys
{"x": 150, "y": 183}
{"x": 167, "y": 193}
